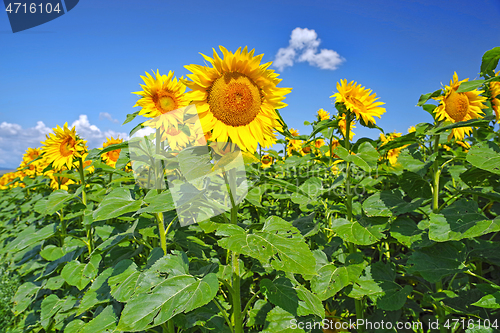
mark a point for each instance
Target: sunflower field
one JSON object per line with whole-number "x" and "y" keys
{"x": 207, "y": 221}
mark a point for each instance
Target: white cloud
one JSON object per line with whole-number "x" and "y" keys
{"x": 143, "y": 132}
{"x": 302, "y": 47}
{"x": 105, "y": 115}
{"x": 92, "y": 134}
{"x": 15, "y": 140}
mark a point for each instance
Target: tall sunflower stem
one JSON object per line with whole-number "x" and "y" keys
{"x": 158, "y": 178}
{"x": 348, "y": 203}
{"x": 235, "y": 291}
{"x": 63, "y": 227}
{"x": 436, "y": 174}
{"x": 435, "y": 209}
{"x": 237, "y": 316}
{"x": 88, "y": 227}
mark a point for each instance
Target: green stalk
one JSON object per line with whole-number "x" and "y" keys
{"x": 63, "y": 227}
{"x": 435, "y": 209}
{"x": 435, "y": 188}
{"x": 237, "y": 315}
{"x": 88, "y": 228}
{"x": 159, "y": 216}
{"x": 348, "y": 203}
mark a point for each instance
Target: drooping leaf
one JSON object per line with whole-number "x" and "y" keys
{"x": 490, "y": 60}
{"x": 278, "y": 241}
{"x": 116, "y": 203}
{"x": 331, "y": 279}
{"x": 437, "y": 261}
{"x": 178, "y": 294}
{"x": 460, "y": 220}
{"x": 72, "y": 273}
{"x": 405, "y": 230}
{"x": 424, "y": 98}
{"x": 387, "y": 203}
{"x": 123, "y": 280}
{"x": 414, "y": 185}
{"x": 281, "y": 321}
{"x": 491, "y": 301}
{"x": 24, "y": 297}
{"x": 158, "y": 203}
{"x": 104, "y": 322}
{"x": 469, "y": 85}
{"x": 358, "y": 232}
{"x": 486, "y": 156}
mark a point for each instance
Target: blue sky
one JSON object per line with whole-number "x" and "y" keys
{"x": 82, "y": 67}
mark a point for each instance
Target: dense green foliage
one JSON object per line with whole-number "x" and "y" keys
{"x": 417, "y": 241}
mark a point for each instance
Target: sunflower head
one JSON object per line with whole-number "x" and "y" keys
{"x": 31, "y": 165}
{"x": 112, "y": 156}
{"x": 359, "y": 100}
{"x": 266, "y": 161}
{"x": 411, "y": 129}
{"x": 318, "y": 143}
{"x": 160, "y": 95}
{"x": 455, "y": 107}
{"x": 63, "y": 147}
{"x": 392, "y": 154}
{"x": 494, "y": 88}
{"x": 236, "y": 98}
{"x": 323, "y": 115}
{"x": 305, "y": 150}
{"x": 59, "y": 182}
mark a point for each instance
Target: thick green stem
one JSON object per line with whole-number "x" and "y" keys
{"x": 170, "y": 326}
{"x": 435, "y": 188}
{"x": 435, "y": 209}
{"x": 348, "y": 203}
{"x": 63, "y": 227}
{"x": 158, "y": 171}
{"x": 237, "y": 316}
{"x": 88, "y": 227}
{"x": 161, "y": 232}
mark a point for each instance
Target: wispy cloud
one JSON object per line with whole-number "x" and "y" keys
{"x": 303, "y": 47}
{"x": 105, "y": 115}
{"x": 15, "y": 140}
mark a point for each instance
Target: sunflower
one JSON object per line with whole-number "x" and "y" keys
{"x": 9, "y": 177}
{"x": 294, "y": 145}
{"x": 323, "y": 115}
{"x": 29, "y": 166}
{"x": 267, "y": 161}
{"x": 236, "y": 98}
{"x": 59, "y": 182}
{"x": 455, "y": 107}
{"x": 343, "y": 128}
{"x": 495, "y": 96}
{"x": 63, "y": 147}
{"x": 306, "y": 149}
{"x": 160, "y": 95}
{"x": 392, "y": 154}
{"x": 318, "y": 143}
{"x": 411, "y": 129}
{"x": 111, "y": 157}
{"x": 359, "y": 100}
